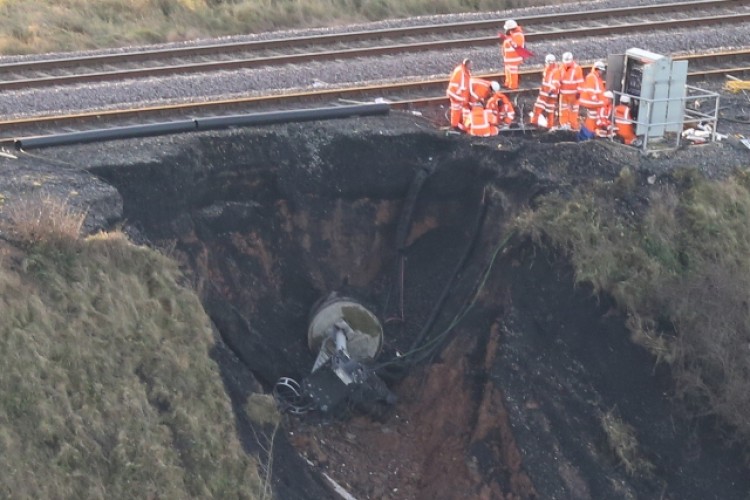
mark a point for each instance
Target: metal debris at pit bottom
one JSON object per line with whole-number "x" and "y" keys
{"x": 347, "y": 338}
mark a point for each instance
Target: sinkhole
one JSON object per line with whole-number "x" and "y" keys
{"x": 501, "y": 366}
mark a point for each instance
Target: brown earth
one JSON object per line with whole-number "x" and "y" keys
{"x": 431, "y": 446}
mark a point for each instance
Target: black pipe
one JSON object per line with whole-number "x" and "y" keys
{"x": 255, "y": 119}
{"x": 104, "y": 134}
{"x": 404, "y": 224}
{"x": 292, "y": 115}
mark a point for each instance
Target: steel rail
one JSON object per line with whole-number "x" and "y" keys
{"x": 277, "y": 43}
{"x": 427, "y": 89}
{"x": 347, "y": 53}
{"x": 420, "y": 102}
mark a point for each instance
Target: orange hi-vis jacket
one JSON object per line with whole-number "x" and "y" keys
{"x": 459, "y": 84}
{"x": 546, "y": 102}
{"x": 501, "y": 106}
{"x": 571, "y": 79}
{"x": 592, "y": 90}
{"x": 479, "y": 89}
{"x": 483, "y": 122}
{"x": 623, "y": 123}
{"x": 551, "y": 80}
{"x": 516, "y": 39}
{"x": 604, "y": 118}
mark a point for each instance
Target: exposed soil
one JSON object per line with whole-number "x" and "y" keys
{"x": 511, "y": 404}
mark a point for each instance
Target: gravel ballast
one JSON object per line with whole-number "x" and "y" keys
{"x": 344, "y": 73}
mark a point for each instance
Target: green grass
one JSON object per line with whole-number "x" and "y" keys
{"x": 107, "y": 387}
{"x": 41, "y": 26}
{"x": 679, "y": 268}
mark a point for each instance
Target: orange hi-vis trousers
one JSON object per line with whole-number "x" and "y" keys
{"x": 569, "y": 110}
{"x": 545, "y": 103}
{"x": 592, "y": 115}
{"x": 624, "y": 124}
{"x": 457, "y": 114}
{"x": 511, "y": 76}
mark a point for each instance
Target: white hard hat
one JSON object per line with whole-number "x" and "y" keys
{"x": 609, "y": 95}
{"x": 495, "y": 86}
{"x": 510, "y": 24}
{"x": 567, "y": 57}
{"x": 549, "y": 59}
{"x": 624, "y": 99}
{"x": 600, "y": 65}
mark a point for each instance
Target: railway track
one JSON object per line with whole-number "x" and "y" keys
{"x": 255, "y": 54}
{"x": 401, "y": 95}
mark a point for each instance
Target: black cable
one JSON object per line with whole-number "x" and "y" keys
{"x": 404, "y": 223}
{"x": 402, "y": 230}
{"x": 462, "y": 261}
{"x": 433, "y": 344}
{"x": 399, "y": 365}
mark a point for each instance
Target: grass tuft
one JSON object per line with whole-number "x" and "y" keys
{"x": 262, "y": 409}
{"x": 43, "y": 219}
{"x": 624, "y": 444}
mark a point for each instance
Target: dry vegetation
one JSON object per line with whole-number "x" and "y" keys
{"x": 108, "y": 390}
{"x": 680, "y": 270}
{"x": 41, "y": 26}
{"x": 624, "y": 444}
{"x": 42, "y": 219}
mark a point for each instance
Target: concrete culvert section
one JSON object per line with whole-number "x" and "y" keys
{"x": 511, "y": 381}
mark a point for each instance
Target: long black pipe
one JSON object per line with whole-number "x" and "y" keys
{"x": 105, "y": 134}
{"x": 210, "y": 123}
{"x": 292, "y": 115}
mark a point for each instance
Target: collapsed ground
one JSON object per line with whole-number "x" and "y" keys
{"x": 265, "y": 222}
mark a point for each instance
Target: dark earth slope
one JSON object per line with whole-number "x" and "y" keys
{"x": 513, "y": 403}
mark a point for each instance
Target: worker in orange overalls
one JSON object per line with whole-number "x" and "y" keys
{"x": 571, "y": 79}
{"x": 604, "y": 127}
{"x": 623, "y": 121}
{"x": 592, "y": 94}
{"x": 513, "y": 50}
{"x": 546, "y": 102}
{"x": 479, "y": 90}
{"x": 483, "y": 121}
{"x": 459, "y": 92}
{"x": 501, "y": 107}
